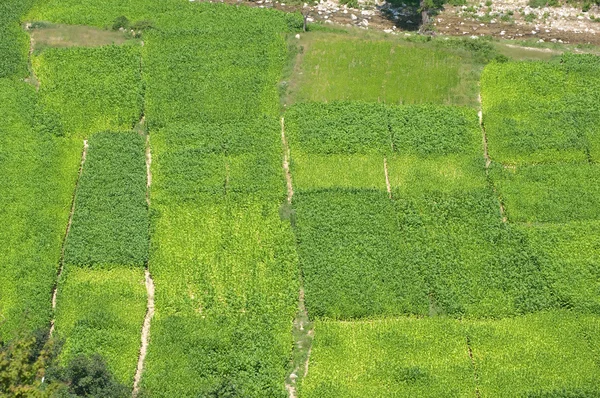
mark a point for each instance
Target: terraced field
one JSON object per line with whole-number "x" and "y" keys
{"x": 216, "y": 208}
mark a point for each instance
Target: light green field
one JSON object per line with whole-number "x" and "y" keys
{"x": 101, "y": 311}
{"x": 346, "y": 67}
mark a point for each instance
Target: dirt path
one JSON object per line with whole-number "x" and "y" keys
{"x": 387, "y": 178}
{"x": 62, "y": 253}
{"x": 488, "y": 160}
{"x": 286, "y": 162}
{"x": 302, "y": 329}
{"x": 145, "y": 336}
{"x": 303, "y": 333}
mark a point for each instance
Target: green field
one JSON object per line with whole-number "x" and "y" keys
{"x": 231, "y": 206}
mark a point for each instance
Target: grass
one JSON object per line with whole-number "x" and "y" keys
{"x": 549, "y": 192}
{"x": 101, "y": 311}
{"x": 85, "y": 90}
{"x": 344, "y": 67}
{"x": 404, "y": 357}
{"x": 110, "y": 222}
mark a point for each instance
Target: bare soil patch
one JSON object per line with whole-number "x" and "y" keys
{"x": 54, "y": 35}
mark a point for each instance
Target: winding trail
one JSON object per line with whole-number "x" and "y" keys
{"x": 302, "y": 328}
{"x": 145, "y": 336}
{"x": 62, "y": 253}
{"x": 475, "y": 374}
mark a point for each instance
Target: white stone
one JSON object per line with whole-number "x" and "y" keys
{"x": 354, "y": 17}
{"x": 298, "y": 36}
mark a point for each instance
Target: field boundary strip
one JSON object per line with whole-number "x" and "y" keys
{"x": 286, "y": 162}
{"x": 304, "y": 329}
{"x": 33, "y": 79}
{"x": 149, "y": 282}
{"x": 488, "y": 160}
{"x": 472, "y": 358}
{"x": 69, "y": 222}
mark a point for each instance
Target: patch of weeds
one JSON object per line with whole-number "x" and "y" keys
{"x": 530, "y": 17}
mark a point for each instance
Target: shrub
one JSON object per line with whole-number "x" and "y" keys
{"x": 121, "y": 23}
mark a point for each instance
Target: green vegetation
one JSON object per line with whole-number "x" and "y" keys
{"x": 542, "y": 112}
{"x": 351, "y": 257}
{"x": 549, "y": 193}
{"x": 85, "y": 90}
{"x": 29, "y": 368}
{"x": 538, "y": 355}
{"x": 406, "y": 357}
{"x": 345, "y": 67}
{"x": 226, "y": 277}
{"x": 38, "y": 173}
{"x": 569, "y": 256}
{"x": 110, "y": 222}
{"x": 101, "y": 311}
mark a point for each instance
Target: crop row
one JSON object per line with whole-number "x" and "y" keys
{"x": 539, "y": 355}
{"x": 538, "y": 112}
{"x": 13, "y": 40}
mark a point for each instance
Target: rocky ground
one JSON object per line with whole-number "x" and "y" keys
{"x": 508, "y": 19}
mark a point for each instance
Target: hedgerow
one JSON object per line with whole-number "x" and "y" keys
{"x": 38, "y": 173}
{"x": 85, "y": 90}
{"x": 403, "y": 357}
{"x": 100, "y": 311}
{"x": 542, "y": 112}
{"x": 549, "y": 192}
{"x": 229, "y": 278}
{"x": 110, "y": 222}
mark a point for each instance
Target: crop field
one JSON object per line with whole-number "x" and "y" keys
{"x": 218, "y": 207}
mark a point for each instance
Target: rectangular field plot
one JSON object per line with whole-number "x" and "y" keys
{"x": 85, "y": 90}
{"x": 570, "y": 258}
{"x": 338, "y": 128}
{"x": 315, "y": 171}
{"x": 351, "y": 256}
{"x": 435, "y": 130}
{"x": 37, "y": 176}
{"x": 343, "y": 67}
{"x": 405, "y": 357}
{"x": 541, "y": 112}
{"x": 226, "y": 280}
{"x": 537, "y": 355}
{"x": 474, "y": 265}
{"x": 411, "y": 175}
{"x": 110, "y": 222}
{"x": 550, "y": 192}
{"x": 102, "y": 312}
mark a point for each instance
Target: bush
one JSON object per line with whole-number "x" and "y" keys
{"x": 121, "y": 23}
